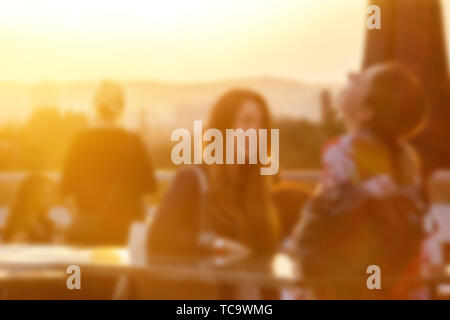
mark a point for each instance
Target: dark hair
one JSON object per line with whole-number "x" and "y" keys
{"x": 398, "y": 102}
{"x": 245, "y": 208}
{"x": 225, "y": 110}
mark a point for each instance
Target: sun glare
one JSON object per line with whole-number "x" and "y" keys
{"x": 172, "y": 40}
{"x": 180, "y": 40}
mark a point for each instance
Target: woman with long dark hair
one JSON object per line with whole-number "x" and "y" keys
{"x": 223, "y": 200}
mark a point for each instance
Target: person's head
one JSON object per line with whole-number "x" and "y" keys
{"x": 240, "y": 109}
{"x": 109, "y": 100}
{"x": 240, "y": 195}
{"x": 386, "y": 99}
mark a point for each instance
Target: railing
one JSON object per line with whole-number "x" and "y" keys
{"x": 441, "y": 176}
{"x": 167, "y": 175}
{"x": 162, "y": 176}
{"x": 439, "y": 183}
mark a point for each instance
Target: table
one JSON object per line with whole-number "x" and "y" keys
{"x": 25, "y": 263}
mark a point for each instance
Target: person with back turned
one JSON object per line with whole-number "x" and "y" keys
{"x": 107, "y": 173}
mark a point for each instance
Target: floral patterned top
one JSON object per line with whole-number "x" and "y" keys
{"x": 360, "y": 158}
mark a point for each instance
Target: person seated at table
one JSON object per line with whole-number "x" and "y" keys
{"x": 370, "y": 202}
{"x": 219, "y": 208}
{"x": 27, "y": 220}
{"x": 228, "y": 201}
{"x": 106, "y": 174}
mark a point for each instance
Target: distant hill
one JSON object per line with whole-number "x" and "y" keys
{"x": 160, "y": 103}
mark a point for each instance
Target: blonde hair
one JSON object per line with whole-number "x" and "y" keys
{"x": 109, "y": 100}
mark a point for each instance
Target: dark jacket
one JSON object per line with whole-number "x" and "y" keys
{"x": 179, "y": 221}
{"x": 107, "y": 172}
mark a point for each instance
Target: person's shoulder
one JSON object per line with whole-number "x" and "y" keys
{"x": 90, "y": 132}
{"x": 124, "y": 133}
{"x": 104, "y": 129}
{"x": 338, "y": 147}
{"x": 114, "y": 133}
{"x": 80, "y": 137}
{"x": 189, "y": 173}
{"x": 192, "y": 176}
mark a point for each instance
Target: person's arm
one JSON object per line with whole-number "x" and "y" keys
{"x": 174, "y": 228}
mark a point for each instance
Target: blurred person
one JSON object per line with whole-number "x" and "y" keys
{"x": 219, "y": 201}
{"x": 237, "y": 199}
{"x": 106, "y": 174}
{"x": 370, "y": 201}
{"x": 382, "y": 107}
{"x": 27, "y": 220}
{"x": 289, "y": 199}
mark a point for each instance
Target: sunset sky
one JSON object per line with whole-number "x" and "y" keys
{"x": 179, "y": 40}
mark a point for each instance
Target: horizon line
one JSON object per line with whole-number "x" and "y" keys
{"x": 170, "y": 82}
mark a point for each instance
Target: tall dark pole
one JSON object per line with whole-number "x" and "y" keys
{"x": 412, "y": 33}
